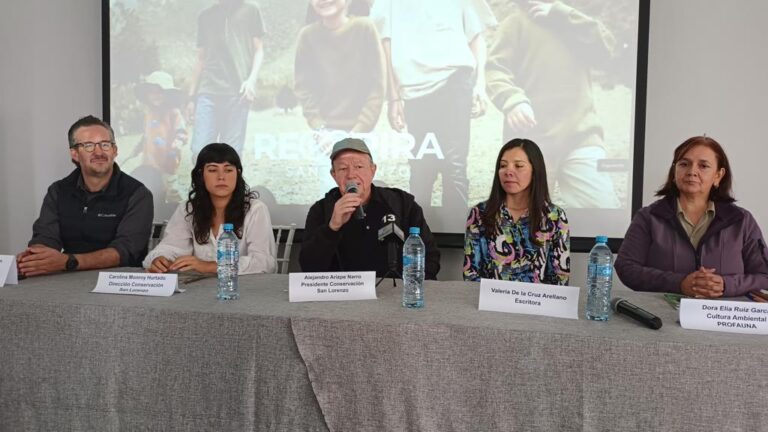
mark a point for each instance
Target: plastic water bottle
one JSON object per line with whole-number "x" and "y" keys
{"x": 227, "y": 261}
{"x": 413, "y": 270}
{"x": 599, "y": 281}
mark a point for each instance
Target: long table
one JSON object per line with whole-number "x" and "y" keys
{"x": 74, "y": 360}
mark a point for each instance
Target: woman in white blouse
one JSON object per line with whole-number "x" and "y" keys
{"x": 218, "y": 194}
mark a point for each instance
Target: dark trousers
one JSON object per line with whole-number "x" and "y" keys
{"x": 446, "y": 114}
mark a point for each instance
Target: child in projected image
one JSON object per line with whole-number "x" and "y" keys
{"x": 339, "y": 71}
{"x": 164, "y": 135}
{"x": 223, "y": 83}
{"x": 164, "y": 129}
{"x": 538, "y": 75}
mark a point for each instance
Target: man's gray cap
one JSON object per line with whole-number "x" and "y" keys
{"x": 355, "y": 144}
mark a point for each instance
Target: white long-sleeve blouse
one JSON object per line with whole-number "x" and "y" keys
{"x": 257, "y": 247}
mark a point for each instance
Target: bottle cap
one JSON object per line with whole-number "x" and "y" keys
{"x": 601, "y": 239}
{"x": 414, "y": 230}
{"x": 229, "y": 227}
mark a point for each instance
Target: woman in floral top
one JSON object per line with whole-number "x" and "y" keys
{"x": 518, "y": 234}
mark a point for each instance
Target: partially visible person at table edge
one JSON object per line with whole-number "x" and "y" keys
{"x": 694, "y": 240}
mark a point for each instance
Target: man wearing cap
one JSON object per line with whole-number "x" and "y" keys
{"x": 339, "y": 237}
{"x": 96, "y": 217}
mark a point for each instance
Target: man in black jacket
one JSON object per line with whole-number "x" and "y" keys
{"x": 338, "y": 236}
{"x": 96, "y": 217}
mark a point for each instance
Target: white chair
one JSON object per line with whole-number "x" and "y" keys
{"x": 158, "y": 229}
{"x": 284, "y": 232}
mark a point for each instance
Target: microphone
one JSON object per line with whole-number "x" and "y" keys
{"x": 351, "y": 187}
{"x": 390, "y": 231}
{"x": 392, "y": 236}
{"x": 641, "y": 315}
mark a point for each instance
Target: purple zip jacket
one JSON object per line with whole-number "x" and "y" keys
{"x": 656, "y": 254}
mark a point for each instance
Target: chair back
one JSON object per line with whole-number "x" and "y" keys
{"x": 158, "y": 229}
{"x": 284, "y": 241}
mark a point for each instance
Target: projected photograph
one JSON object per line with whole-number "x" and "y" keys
{"x": 434, "y": 87}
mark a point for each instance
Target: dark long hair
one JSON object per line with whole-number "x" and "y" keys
{"x": 538, "y": 197}
{"x": 723, "y": 192}
{"x": 199, "y": 204}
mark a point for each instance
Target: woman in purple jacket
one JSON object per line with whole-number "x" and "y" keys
{"x": 694, "y": 240}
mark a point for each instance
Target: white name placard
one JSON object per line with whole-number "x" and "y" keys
{"x": 143, "y": 284}
{"x": 332, "y": 286}
{"x": 724, "y": 316}
{"x": 8, "y": 273}
{"x": 529, "y": 298}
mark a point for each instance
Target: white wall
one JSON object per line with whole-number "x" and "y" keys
{"x": 707, "y": 74}
{"x": 707, "y": 66}
{"x": 49, "y": 76}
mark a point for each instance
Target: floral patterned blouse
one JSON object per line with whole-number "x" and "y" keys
{"x": 511, "y": 255}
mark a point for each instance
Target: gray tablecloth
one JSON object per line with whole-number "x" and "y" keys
{"x": 73, "y": 360}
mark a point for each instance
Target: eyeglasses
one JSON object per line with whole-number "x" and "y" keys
{"x": 91, "y": 146}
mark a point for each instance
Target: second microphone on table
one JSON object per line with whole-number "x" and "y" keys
{"x": 637, "y": 313}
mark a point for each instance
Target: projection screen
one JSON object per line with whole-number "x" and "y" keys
{"x": 435, "y": 87}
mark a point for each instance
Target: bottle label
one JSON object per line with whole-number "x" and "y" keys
{"x": 599, "y": 270}
{"x": 604, "y": 270}
{"x": 228, "y": 257}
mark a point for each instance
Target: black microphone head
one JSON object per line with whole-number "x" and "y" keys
{"x": 615, "y": 302}
{"x": 623, "y": 306}
{"x": 351, "y": 187}
{"x": 655, "y": 323}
